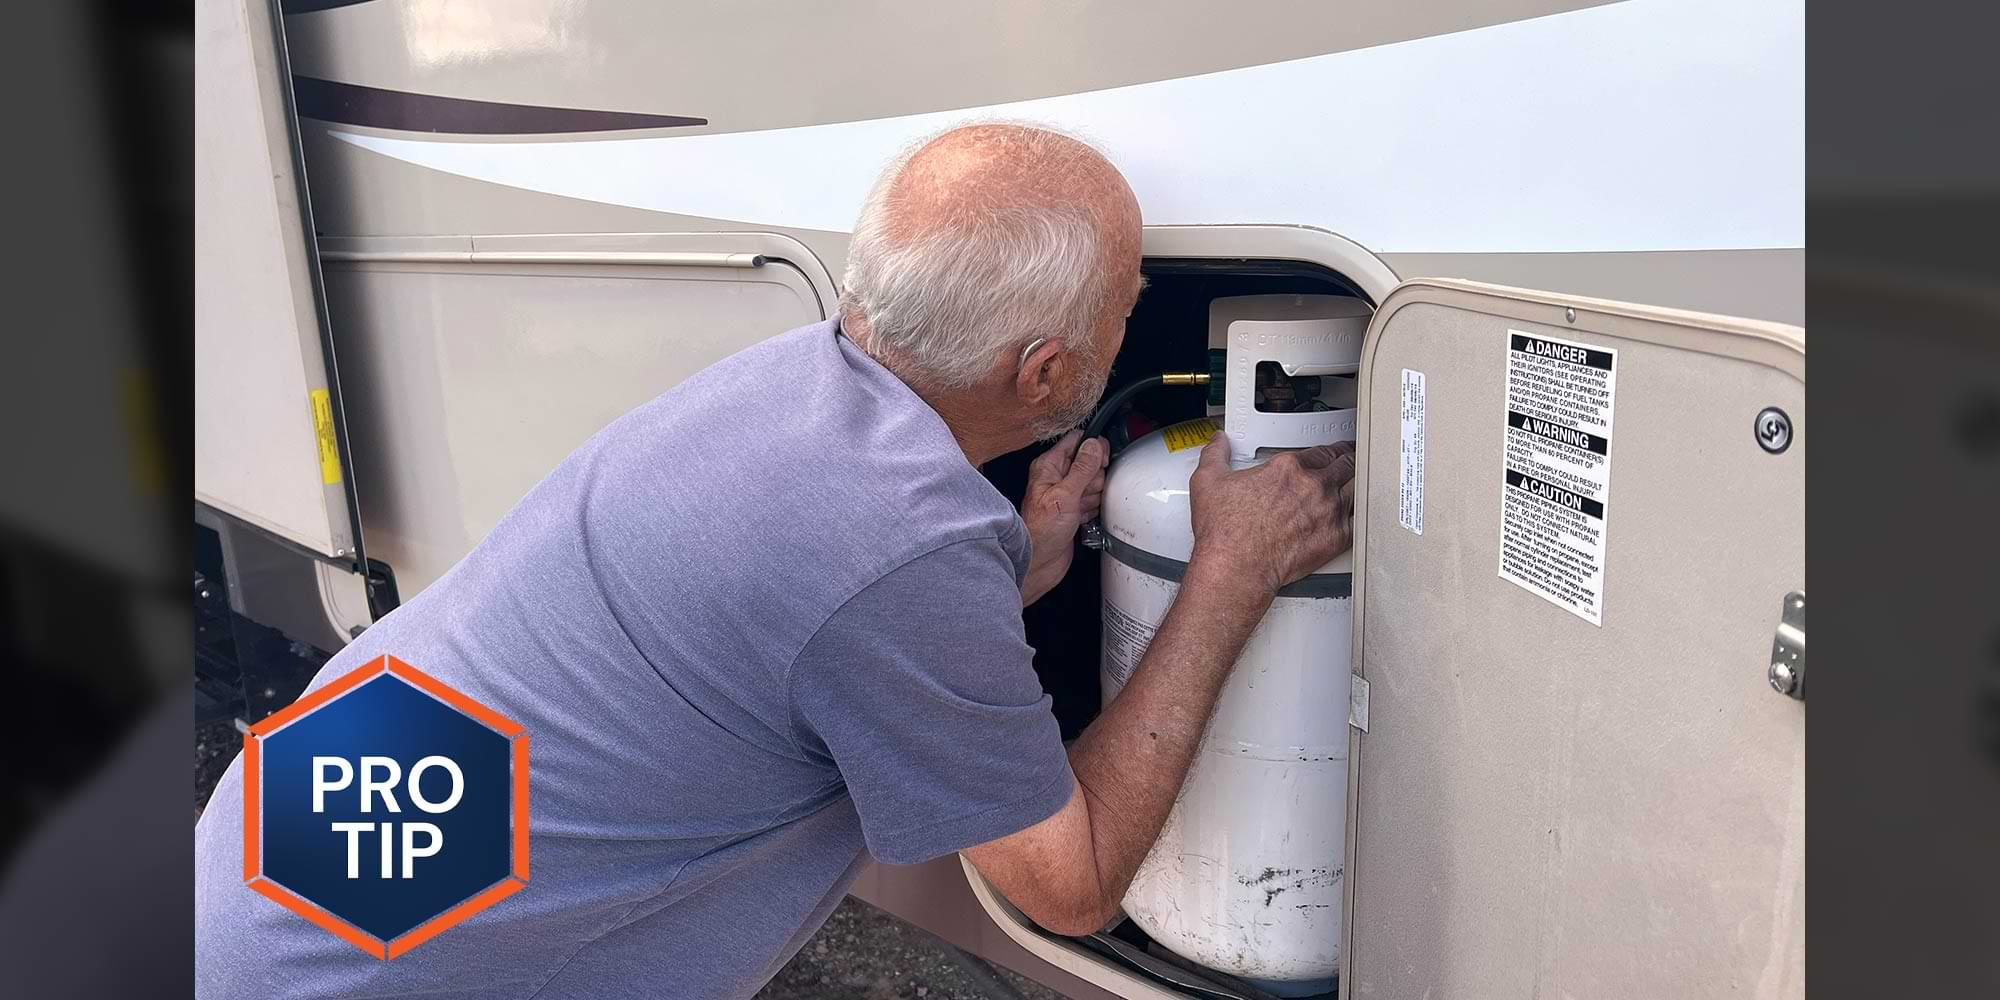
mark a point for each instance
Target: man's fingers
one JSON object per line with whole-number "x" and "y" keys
{"x": 1324, "y": 456}
{"x": 1096, "y": 452}
{"x": 1341, "y": 471}
{"x": 1332, "y": 466}
{"x": 1052, "y": 465}
{"x": 1087, "y": 467}
{"x": 1314, "y": 459}
{"x": 1214, "y": 456}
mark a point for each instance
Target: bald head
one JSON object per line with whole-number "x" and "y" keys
{"x": 983, "y": 240}
{"x": 960, "y": 180}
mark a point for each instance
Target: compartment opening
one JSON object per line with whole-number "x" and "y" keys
{"x": 1168, "y": 331}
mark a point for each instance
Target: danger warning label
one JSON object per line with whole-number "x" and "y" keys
{"x": 1556, "y": 470}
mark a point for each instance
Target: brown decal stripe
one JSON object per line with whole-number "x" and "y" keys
{"x": 353, "y": 104}
{"x": 308, "y": 6}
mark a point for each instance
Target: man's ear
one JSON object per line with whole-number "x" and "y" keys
{"x": 1044, "y": 364}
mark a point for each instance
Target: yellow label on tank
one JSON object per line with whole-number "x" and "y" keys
{"x": 1190, "y": 433}
{"x": 329, "y": 450}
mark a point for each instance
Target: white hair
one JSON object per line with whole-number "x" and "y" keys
{"x": 948, "y": 301}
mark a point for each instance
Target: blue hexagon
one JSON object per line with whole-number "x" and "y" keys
{"x": 386, "y": 806}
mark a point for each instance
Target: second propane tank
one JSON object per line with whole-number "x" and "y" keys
{"x": 1246, "y": 875}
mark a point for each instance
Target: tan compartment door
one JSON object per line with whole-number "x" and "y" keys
{"x": 1579, "y": 782}
{"x": 267, "y": 413}
{"x": 476, "y": 364}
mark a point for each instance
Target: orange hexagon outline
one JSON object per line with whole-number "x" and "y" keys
{"x": 253, "y": 789}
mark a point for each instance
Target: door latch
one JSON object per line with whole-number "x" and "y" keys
{"x": 1788, "y": 649}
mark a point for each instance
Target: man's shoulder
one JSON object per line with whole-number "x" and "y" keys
{"x": 920, "y": 499}
{"x": 875, "y": 458}
{"x": 799, "y": 450}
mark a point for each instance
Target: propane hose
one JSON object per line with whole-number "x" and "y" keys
{"x": 1117, "y": 399}
{"x": 1093, "y": 532}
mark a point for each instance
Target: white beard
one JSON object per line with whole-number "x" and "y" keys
{"x": 1072, "y": 413}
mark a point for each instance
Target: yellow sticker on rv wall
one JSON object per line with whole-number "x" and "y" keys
{"x": 329, "y": 449}
{"x": 1190, "y": 433}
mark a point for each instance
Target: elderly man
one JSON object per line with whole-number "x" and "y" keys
{"x": 768, "y": 624}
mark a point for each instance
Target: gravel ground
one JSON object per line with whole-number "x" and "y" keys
{"x": 862, "y": 953}
{"x": 865, "y": 954}
{"x": 215, "y": 745}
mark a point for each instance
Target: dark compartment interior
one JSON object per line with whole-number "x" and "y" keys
{"x": 1168, "y": 331}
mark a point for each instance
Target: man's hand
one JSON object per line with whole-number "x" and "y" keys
{"x": 1277, "y": 522}
{"x": 1065, "y": 489}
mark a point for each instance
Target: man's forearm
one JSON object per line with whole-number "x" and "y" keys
{"x": 1132, "y": 760}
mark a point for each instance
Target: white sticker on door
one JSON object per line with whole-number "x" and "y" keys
{"x": 1410, "y": 483}
{"x": 1556, "y": 470}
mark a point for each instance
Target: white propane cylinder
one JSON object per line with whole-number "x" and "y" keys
{"x": 1246, "y": 875}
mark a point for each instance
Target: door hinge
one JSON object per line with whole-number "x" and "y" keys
{"x": 1357, "y": 703}
{"x": 1788, "y": 649}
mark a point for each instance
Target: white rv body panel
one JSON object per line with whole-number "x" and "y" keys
{"x": 1592, "y": 130}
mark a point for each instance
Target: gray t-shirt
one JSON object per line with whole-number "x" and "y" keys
{"x": 755, "y": 628}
